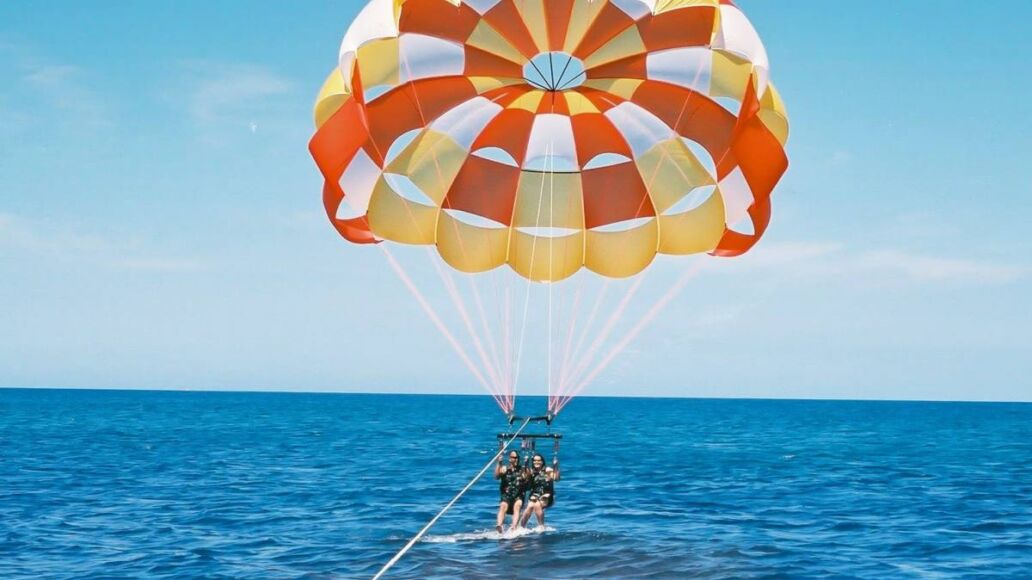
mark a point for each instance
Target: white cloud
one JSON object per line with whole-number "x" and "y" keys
{"x": 12, "y": 118}
{"x": 160, "y": 265}
{"x": 51, "y": 91}
{"x": 238, "y": 95}
{"x": 52, "y": 76}
{"x": 927, "y": 268}
{"x": 841, "y": 157}
{"x": 828, "y": 259}
{"x": 782, "y": 253}
{"x": 39, "y": 239}
{"x": 302, "y": 220}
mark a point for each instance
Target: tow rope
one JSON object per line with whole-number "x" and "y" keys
{"x": 433, "y": 521}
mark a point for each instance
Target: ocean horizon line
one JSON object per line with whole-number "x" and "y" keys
{"x": 527, "y": 395}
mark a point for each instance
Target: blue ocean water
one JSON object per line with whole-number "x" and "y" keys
{"x": 184, "y": 485}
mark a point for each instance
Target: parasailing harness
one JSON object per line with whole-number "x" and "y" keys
{"x": 529, "y": 440}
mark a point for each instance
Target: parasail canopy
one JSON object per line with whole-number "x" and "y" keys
{"x": 552, "y": 135}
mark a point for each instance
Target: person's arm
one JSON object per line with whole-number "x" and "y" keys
{"x": 499, "y": 470}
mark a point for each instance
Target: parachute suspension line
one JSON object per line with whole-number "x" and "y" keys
{"x": 607, "y": 329}
{"x": 453, "y": 292}
{"x": 573, "y": 354}
{"x": 491, "y": 387}
{"x": 571, "y": 329}
{"x": 571, "y": 391}
{"x": 564, "y": 383}
{"x": 456, "y": 346}
{"x": 491, "y": 342}
{"x": 501, "y": 387}
{"x": 506, "y": 323}
{"x": 645, "y": 320}
{"x": 489, "y": 356}
{"x": 571, "y": 306}
{"x": 566, "y": 300}
{"x": 616, "y": 316}
{"x": 507, "y": 346}
{"x": 551, "y": 252}
{"x": 449, "y": 505}
{"x": 588, "y": 327}
{"x": 552, "y": 382}
{"x": 530, "y": 285}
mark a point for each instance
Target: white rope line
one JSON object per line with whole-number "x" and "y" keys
{"x": 530, "y": 281}
{"x": 456, "y": 297}
{"x": 433, "y": 521}
{"x": 551, "y": 254}
{"x": 490, "y": 366}
{"x": 643, "y": 322}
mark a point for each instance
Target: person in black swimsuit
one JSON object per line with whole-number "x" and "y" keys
{"x": 541, "y": 483}
{"x": 511, "y": 487}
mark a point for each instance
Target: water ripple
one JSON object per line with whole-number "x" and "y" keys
{"x": 220, "y": 485}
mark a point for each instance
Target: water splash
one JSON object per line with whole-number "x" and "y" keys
{"x": 487, "y": 535}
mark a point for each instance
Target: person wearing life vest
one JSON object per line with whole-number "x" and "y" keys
{"x": 511, "y": 487}
{"x": 541, "y": 486}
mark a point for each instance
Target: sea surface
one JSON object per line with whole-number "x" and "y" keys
{"x": 251, "y": 485}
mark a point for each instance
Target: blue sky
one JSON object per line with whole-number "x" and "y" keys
{"x": 161, "y": 222}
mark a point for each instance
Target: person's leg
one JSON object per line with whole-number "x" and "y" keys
{"x": 527, "y": 513}
{"x": 517, "y": 506}
{"x": 502, "y": 508}
{"x": 539, "y": 513}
